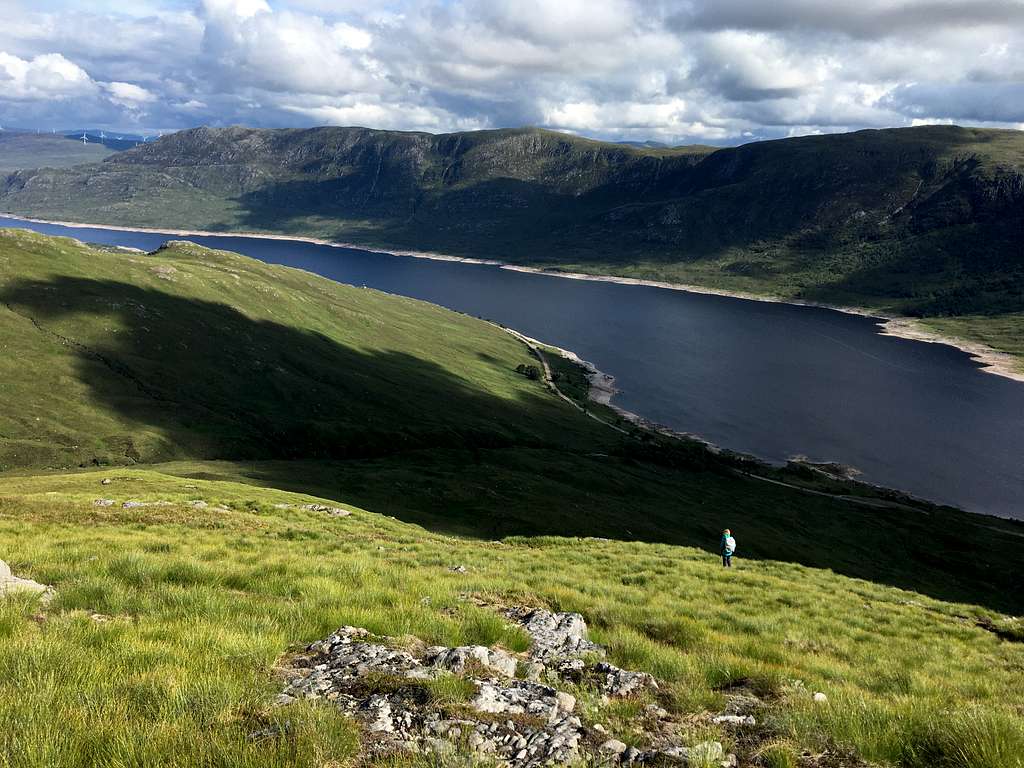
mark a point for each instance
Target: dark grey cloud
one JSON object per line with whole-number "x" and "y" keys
{"x": 967, "y": 102}
{"x": 866, "y": 19}
{"x": 705, "y": 70}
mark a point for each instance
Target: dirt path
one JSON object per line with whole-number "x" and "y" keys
{"x": 549, "y": 380}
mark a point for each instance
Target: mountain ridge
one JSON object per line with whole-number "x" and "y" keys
{"x": 925, "y": 221}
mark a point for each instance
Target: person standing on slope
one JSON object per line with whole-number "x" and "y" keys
{"x": 728, "y": 547}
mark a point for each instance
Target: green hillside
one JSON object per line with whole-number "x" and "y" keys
{"x": 167, "y": 418}
{"x": 919, "y": 221}
{"x": 290, "y": 380}
{"x": 41, "y": 150}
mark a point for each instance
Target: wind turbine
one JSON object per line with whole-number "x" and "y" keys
{"x": 85, "y": 138}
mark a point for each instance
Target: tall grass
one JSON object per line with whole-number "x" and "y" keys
{"x": 160, "y": 646}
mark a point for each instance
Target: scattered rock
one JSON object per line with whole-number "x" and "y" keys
{"x": 519, "y": 697}
{"x": 566, "y": 701}
{"x": 734, "y": 720}
{"x": 820, "y": 697}
{"x": 532, "y": 670}
{"x": 741, "y": 702}
{"x": 164, "y": 272}
{"x": 198, "y": 504}
{"x": 459, "y": 659}
{"x": 10, "y": 584}
{"x": 614, "y": 746}
{"x": 517, "y": 722}
{"x": 520, "y": 723}
{"x": 621, "y": 683}
{"x": 104, "y": 503}
{"x": 105, "y": 481}
{"x": 332, "y": 511}
{"x": 136, "y": 504}
{"x": 457, "y": 568}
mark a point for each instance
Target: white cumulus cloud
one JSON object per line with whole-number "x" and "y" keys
{"x": 674, "y": 70}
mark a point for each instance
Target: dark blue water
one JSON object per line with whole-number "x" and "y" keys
{"x": 769, "y": 379}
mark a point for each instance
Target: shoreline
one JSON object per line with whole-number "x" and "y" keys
{"x": 601, "y": 390}
{"x": 989, "y": 360}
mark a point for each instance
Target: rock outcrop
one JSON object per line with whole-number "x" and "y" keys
{"x": 511, "y": 710}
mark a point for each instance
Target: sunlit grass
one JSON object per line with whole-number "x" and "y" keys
{"x": 160, "y": 645}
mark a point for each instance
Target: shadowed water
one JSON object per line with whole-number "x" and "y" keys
{"x": 770, "y": 379}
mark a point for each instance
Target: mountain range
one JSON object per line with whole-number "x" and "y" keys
{"x": 922, "y": 221}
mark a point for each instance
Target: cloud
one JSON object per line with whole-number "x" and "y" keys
{"x": 673, "y": 70}
{"x": 47, "y": 76}
{"x": 855, "y": 18}
{"x": 128, "y": 95}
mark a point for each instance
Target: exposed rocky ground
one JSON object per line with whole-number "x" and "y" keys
{"x": 511, "y": 709}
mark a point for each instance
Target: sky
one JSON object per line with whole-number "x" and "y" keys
{"x": 674, "y": 71}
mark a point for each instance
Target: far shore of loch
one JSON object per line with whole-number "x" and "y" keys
{"x": 991, "y": 360}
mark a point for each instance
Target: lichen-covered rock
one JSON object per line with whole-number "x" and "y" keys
{"x": 622, "y": 682}
{"x": 457, "y": 660}
{"x": 555, "y": 635}
{"x": 332, "y": 511}
{"x": 520, "y": 723}
{"x": 734, "y": 720}
{"x": 519, "y": 697}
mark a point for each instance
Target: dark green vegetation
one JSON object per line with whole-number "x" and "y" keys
{"x": 281, "y": 378}
{"x": 45, "y": 150}
{"x": 240, "y": 385}
{"x": 920, "y": 221}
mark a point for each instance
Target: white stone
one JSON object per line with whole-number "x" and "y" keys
{"x": 735, "y": 720}
{"x": 820, "y": 697}
{"x": 613, "y": 745}
{"x": 566, "y": 701}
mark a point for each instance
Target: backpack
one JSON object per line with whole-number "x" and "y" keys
{"x": 730, "y": 545}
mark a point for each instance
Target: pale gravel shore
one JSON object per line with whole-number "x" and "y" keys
{"x": 991, "y": 360}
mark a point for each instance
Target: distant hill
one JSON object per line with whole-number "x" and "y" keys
{"x": 46, "y": 150}
{"x": 923, "y": 221}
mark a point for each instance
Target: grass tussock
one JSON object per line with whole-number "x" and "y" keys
{"x": 160, "y": 646}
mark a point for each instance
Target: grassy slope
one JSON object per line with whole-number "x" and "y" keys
{"x": 30, "y": 150}
{"x": 294, "y": 381}
{"x": 196, "y": 606}
{"x": 120, "y": 357}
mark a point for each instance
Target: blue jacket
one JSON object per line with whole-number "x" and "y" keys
{"x": 725, "y": 549}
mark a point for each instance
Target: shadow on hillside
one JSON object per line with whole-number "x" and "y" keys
{"x": 218, "y": 384}
{"x": 399, "y": 435}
